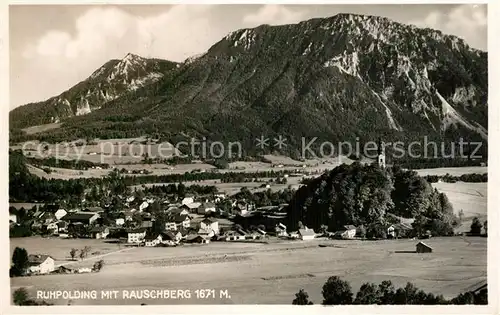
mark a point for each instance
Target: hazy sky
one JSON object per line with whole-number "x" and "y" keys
{"x": 54, "y": 47}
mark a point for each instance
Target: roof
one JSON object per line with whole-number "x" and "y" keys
{"x": 139, "y": 230}
{"x": 181, "y": 218}
{"x": 37, "y": 259}
{"x": 307, "y": 232}
{"x": 208, "y": 205}
{"x": 209, "y": 220}
{"x": 94, "y": 209}
{"x": 169, "y": 235}
{"x": 281, "y": 225}
{"x": 79, "y": 216}
{"x": 349, "y": 227}
{"x": 193, "y": 205}
{"x": 151, "y": 237}
{"x": 422, "y": 243}
{"x": 99, "y": 229}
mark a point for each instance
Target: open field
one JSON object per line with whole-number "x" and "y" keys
{"x": 273, "y": 273}
{"x": 41, "y": 128}
{"x": 454, "y": 171}
{"x": 59, "y": 248}
{"x": 472, "y": 198}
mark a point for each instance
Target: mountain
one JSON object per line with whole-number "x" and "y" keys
{"x": 112, "y": 80}
{"x": 339, "y": 78}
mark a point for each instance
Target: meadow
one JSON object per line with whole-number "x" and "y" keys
{"x": 272, "y": 273}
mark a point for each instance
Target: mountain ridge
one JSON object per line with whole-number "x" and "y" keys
{"x": 339, "y": 77}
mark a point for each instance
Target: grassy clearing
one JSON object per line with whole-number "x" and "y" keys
{"x": 273, "y": 273}
{"x": 41, "y": 128}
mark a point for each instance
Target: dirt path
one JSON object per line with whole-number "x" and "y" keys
{"x": 93, "y": 257}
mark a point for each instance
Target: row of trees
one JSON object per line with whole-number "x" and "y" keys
{"x": 468, "y": 178}
{"x": 337, "y": 292}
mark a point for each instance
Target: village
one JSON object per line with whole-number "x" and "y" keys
{"x": 191, "y": 220}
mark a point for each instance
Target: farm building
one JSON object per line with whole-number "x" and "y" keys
{"x": 347, "y": 232}
{"x": 99, "y": 232}
{"x": 181, "y": 211}
{"x": 280, "y": 229}
{"x": 153, "y": 239}
{"x": 120, "y": 221}
{"x": 306, "y": 234}
{"x": 423, "y": 248}
{"x": 86, "y": 218}
{"x": 187, "y": 199}
{"x": 193, "y": 238}
{"x": 206, "y": 207}
{"x": 210, "y": 224}
{"x": 170, "y": 226}
{"x": 12, "y": 215}
{"x": 192, "y": 207}
{"x": 136, "y": 236}
{"x": 172, "y": 236}
{"x": 60, "y": 213}
{"x": 219, "y": 196}
{"x": 40, "y": 264}
{"x": 183, "y": 220}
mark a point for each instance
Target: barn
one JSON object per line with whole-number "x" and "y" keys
{"x": 423, "y": 248}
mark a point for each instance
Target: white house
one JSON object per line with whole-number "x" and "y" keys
{"x": 306, "y": 234}
{"x": 60, "y": 213}
{"x": 171, "y": 226}
{"x": 391, "y": 231}
{"x": 219, "y": 196}
{"x": 171, "y": 237}
{"x": 40, "y": 264}
{"x": 136, "y": 236}
{"x": 281, "y": 230}
{"x": 207, "y": 207}
{"x": 349, "y": 231}
{"x": 143, "y": 206}
{"x": 187, "y": 200}
{"x": 183, "y": 220}
{"x": 153, "y": 239}
{"x": 130, "y": 199}
{"x": 209, "y": 224}
{"x": 120, "y": 221}
{"x": 54, "y": 227}
{"x": 192, "y": 207}
{"x": 99, "y": 232}
{"x": 12, "y": 217}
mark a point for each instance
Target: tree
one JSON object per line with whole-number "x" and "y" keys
{"x": 463, "y": 299}
{"x": 323, "y": 229}
{"x": 72, "y": 253}
{"x": 362, "y": 231}
{"x": 301, "y": 298}
{"x": 336, "y": 291}
{"x": 87, "y": 250}
{"x": 485, "y": 226}
{"x": 20, "y": 297}
{"x": 367, "y": 294}
{"x": 386, "y": 292}
{"x": 476, "y": 226}
{"x": 82, "y": 254}
{"x": 98, "y": 265}
{"x": 20, "y": 261}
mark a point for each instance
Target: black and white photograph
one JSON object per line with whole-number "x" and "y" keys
{"x": 248, "y": 154}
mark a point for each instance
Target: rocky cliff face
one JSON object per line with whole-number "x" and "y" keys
{"x": 114, "y": 79}
{"x": 337, "y": 78}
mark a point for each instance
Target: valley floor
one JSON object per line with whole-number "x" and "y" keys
{"x": 272, "y": 273}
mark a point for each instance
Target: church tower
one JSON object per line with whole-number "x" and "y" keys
{"x": 381, "y": 154}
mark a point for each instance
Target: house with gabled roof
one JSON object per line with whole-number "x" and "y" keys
{"x": 207, "y": 207}
{"x": 210, "y": 224}
{"x": 40, "y": 264}
{"x": 306, "y": 234}
{"x": 136, "y": 236}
